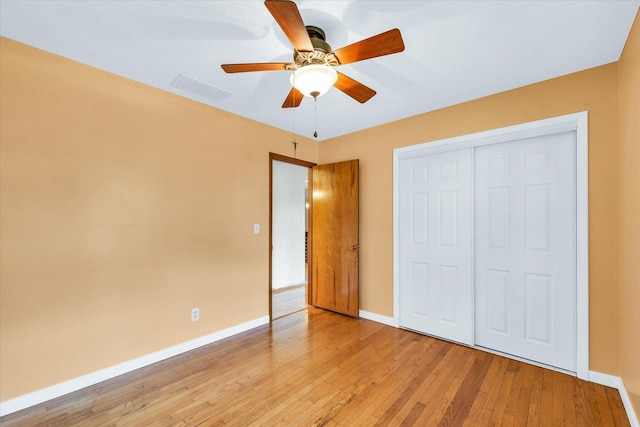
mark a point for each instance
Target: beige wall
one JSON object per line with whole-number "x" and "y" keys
{"x": 122, "y": 207}
{"x": 594, "y": 90}
{"x": 629, "y": 68}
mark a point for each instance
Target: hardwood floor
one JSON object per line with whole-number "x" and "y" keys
{"x": 288, "y": 300}
{"x": 317, "y": 368}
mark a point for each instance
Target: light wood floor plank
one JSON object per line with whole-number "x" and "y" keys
{"x": 317, "y": 368}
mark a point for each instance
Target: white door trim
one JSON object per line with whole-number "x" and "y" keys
{"x": 577, "y": 122}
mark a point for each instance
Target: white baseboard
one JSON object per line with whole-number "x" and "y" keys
{"x": 48, "y": 393}
{"x": 604, "y": 379}
{"x": 378, "y": 318}
{"x": 616, "y": 382}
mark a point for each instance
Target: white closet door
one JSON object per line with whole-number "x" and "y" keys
{"x": 435, "y": 243}
{"x": 525, "y": 248}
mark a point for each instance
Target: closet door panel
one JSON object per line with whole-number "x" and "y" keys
{"x": 525, "y": 204}
{"x": 435, "y": 245}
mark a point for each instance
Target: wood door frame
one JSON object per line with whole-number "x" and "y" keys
{"x": 577, "y": 122}
{"x": 309, "y": 166}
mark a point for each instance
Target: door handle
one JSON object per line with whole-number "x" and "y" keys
{"x": 355, "y": 247}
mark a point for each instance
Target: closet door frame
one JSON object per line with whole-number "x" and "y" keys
{"x": 577, "y": 122}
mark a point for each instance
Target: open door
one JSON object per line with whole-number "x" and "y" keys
{"x": 335, "y": 244}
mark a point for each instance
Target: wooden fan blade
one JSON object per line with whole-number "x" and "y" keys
{"x": 354, "y": 89}
{"x": 383, "y": 44}
{"x": 293, "y": 99}
{"x": 288, "y": 17}
{"x": 260, "y": 66}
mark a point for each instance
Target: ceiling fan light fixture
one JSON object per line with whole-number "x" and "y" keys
{"x": 314, "y": 80}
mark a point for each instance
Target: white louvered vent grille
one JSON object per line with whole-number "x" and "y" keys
{"x": 199, "y": 88}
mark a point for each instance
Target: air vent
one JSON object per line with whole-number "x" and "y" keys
{"x": 199, "y": 88}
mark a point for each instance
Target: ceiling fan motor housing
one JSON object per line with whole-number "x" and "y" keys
{"x": 321, "y": 54}
{"x": 318, "y": 38}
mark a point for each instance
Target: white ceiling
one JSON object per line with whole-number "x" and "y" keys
{"x": 455, "y": 50}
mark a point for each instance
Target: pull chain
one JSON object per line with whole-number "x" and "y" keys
{"x": 294, "y": 141}
{"x": 315, "y": 116}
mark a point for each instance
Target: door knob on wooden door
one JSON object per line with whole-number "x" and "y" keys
{"x": 355, "y": 247}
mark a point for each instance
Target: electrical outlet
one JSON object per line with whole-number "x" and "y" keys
{"x": 195, "y": 314}
{"x": 256, "y": 228}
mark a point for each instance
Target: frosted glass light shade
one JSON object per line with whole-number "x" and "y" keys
{"x": 313, "y": 80}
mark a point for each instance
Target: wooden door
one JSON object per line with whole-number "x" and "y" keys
{"x": 335, "y": 244}
{"x": 436, "y": 289}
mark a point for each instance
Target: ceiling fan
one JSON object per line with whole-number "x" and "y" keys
{"x": 313, "y": 60}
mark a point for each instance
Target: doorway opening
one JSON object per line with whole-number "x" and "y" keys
{"x": 290, "y": 235}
